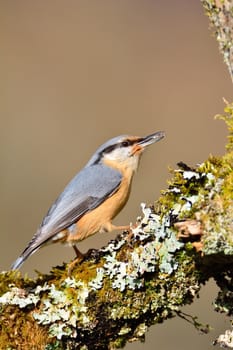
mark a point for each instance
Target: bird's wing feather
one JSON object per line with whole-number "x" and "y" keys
{"x": 88, "y": 189}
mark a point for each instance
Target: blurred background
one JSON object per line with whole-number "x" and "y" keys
{"x": 76, "y": 73}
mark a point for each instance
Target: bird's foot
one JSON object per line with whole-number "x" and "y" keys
{"x": 72, "y": 264}
{"x": 90, "y": 254}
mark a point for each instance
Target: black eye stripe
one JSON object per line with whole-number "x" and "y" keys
{"x": 106, "y": 150}
{"x": 125, "y": 143}
{"x": 109, "y": 149}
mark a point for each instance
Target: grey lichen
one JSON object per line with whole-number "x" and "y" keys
{"x": 143, "y": 258}
{"x": 19, "y": 296}
{"x": 225, "y": 340}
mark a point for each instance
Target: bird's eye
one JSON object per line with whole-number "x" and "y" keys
{"x": 125, "y": 143}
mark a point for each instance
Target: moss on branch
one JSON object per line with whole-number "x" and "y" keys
{"x": 138, "y": 279}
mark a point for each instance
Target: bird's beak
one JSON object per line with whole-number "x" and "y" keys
{"x": 148, "y": 140}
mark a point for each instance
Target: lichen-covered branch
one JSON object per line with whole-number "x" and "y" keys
{"x": 141, "y": 278}
{"x": 220, "y": 14}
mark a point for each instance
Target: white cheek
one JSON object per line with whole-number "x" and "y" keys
{"x": 121, "y": 159}
{"x": 119, "y": 155}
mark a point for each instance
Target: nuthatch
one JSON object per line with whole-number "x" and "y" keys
{"x": 94, "y": 196}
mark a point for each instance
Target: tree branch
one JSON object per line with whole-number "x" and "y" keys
{"x": 139, "y": 279}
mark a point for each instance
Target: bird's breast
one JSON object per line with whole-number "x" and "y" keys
{"x": 98, "y": 218}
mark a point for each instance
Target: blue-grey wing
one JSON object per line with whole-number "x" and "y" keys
{"x": 88, "y": 189}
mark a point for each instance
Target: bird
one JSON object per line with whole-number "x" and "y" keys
{"x": 94, "y": 197}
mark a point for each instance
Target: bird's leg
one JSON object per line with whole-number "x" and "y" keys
{"x": 125, "y": 228}
{"x": 121, "y": 228}
{"x": 77, "y": 252}
{"x": 78, "y": 259}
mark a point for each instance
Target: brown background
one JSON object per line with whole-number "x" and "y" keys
{"x": 75, "y": 73}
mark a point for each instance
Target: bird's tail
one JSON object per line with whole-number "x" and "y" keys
{"x": 20, "y": 260}
{"x": 31, "y": 248}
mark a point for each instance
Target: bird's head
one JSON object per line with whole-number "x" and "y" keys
{"x": 124, "y": 151}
